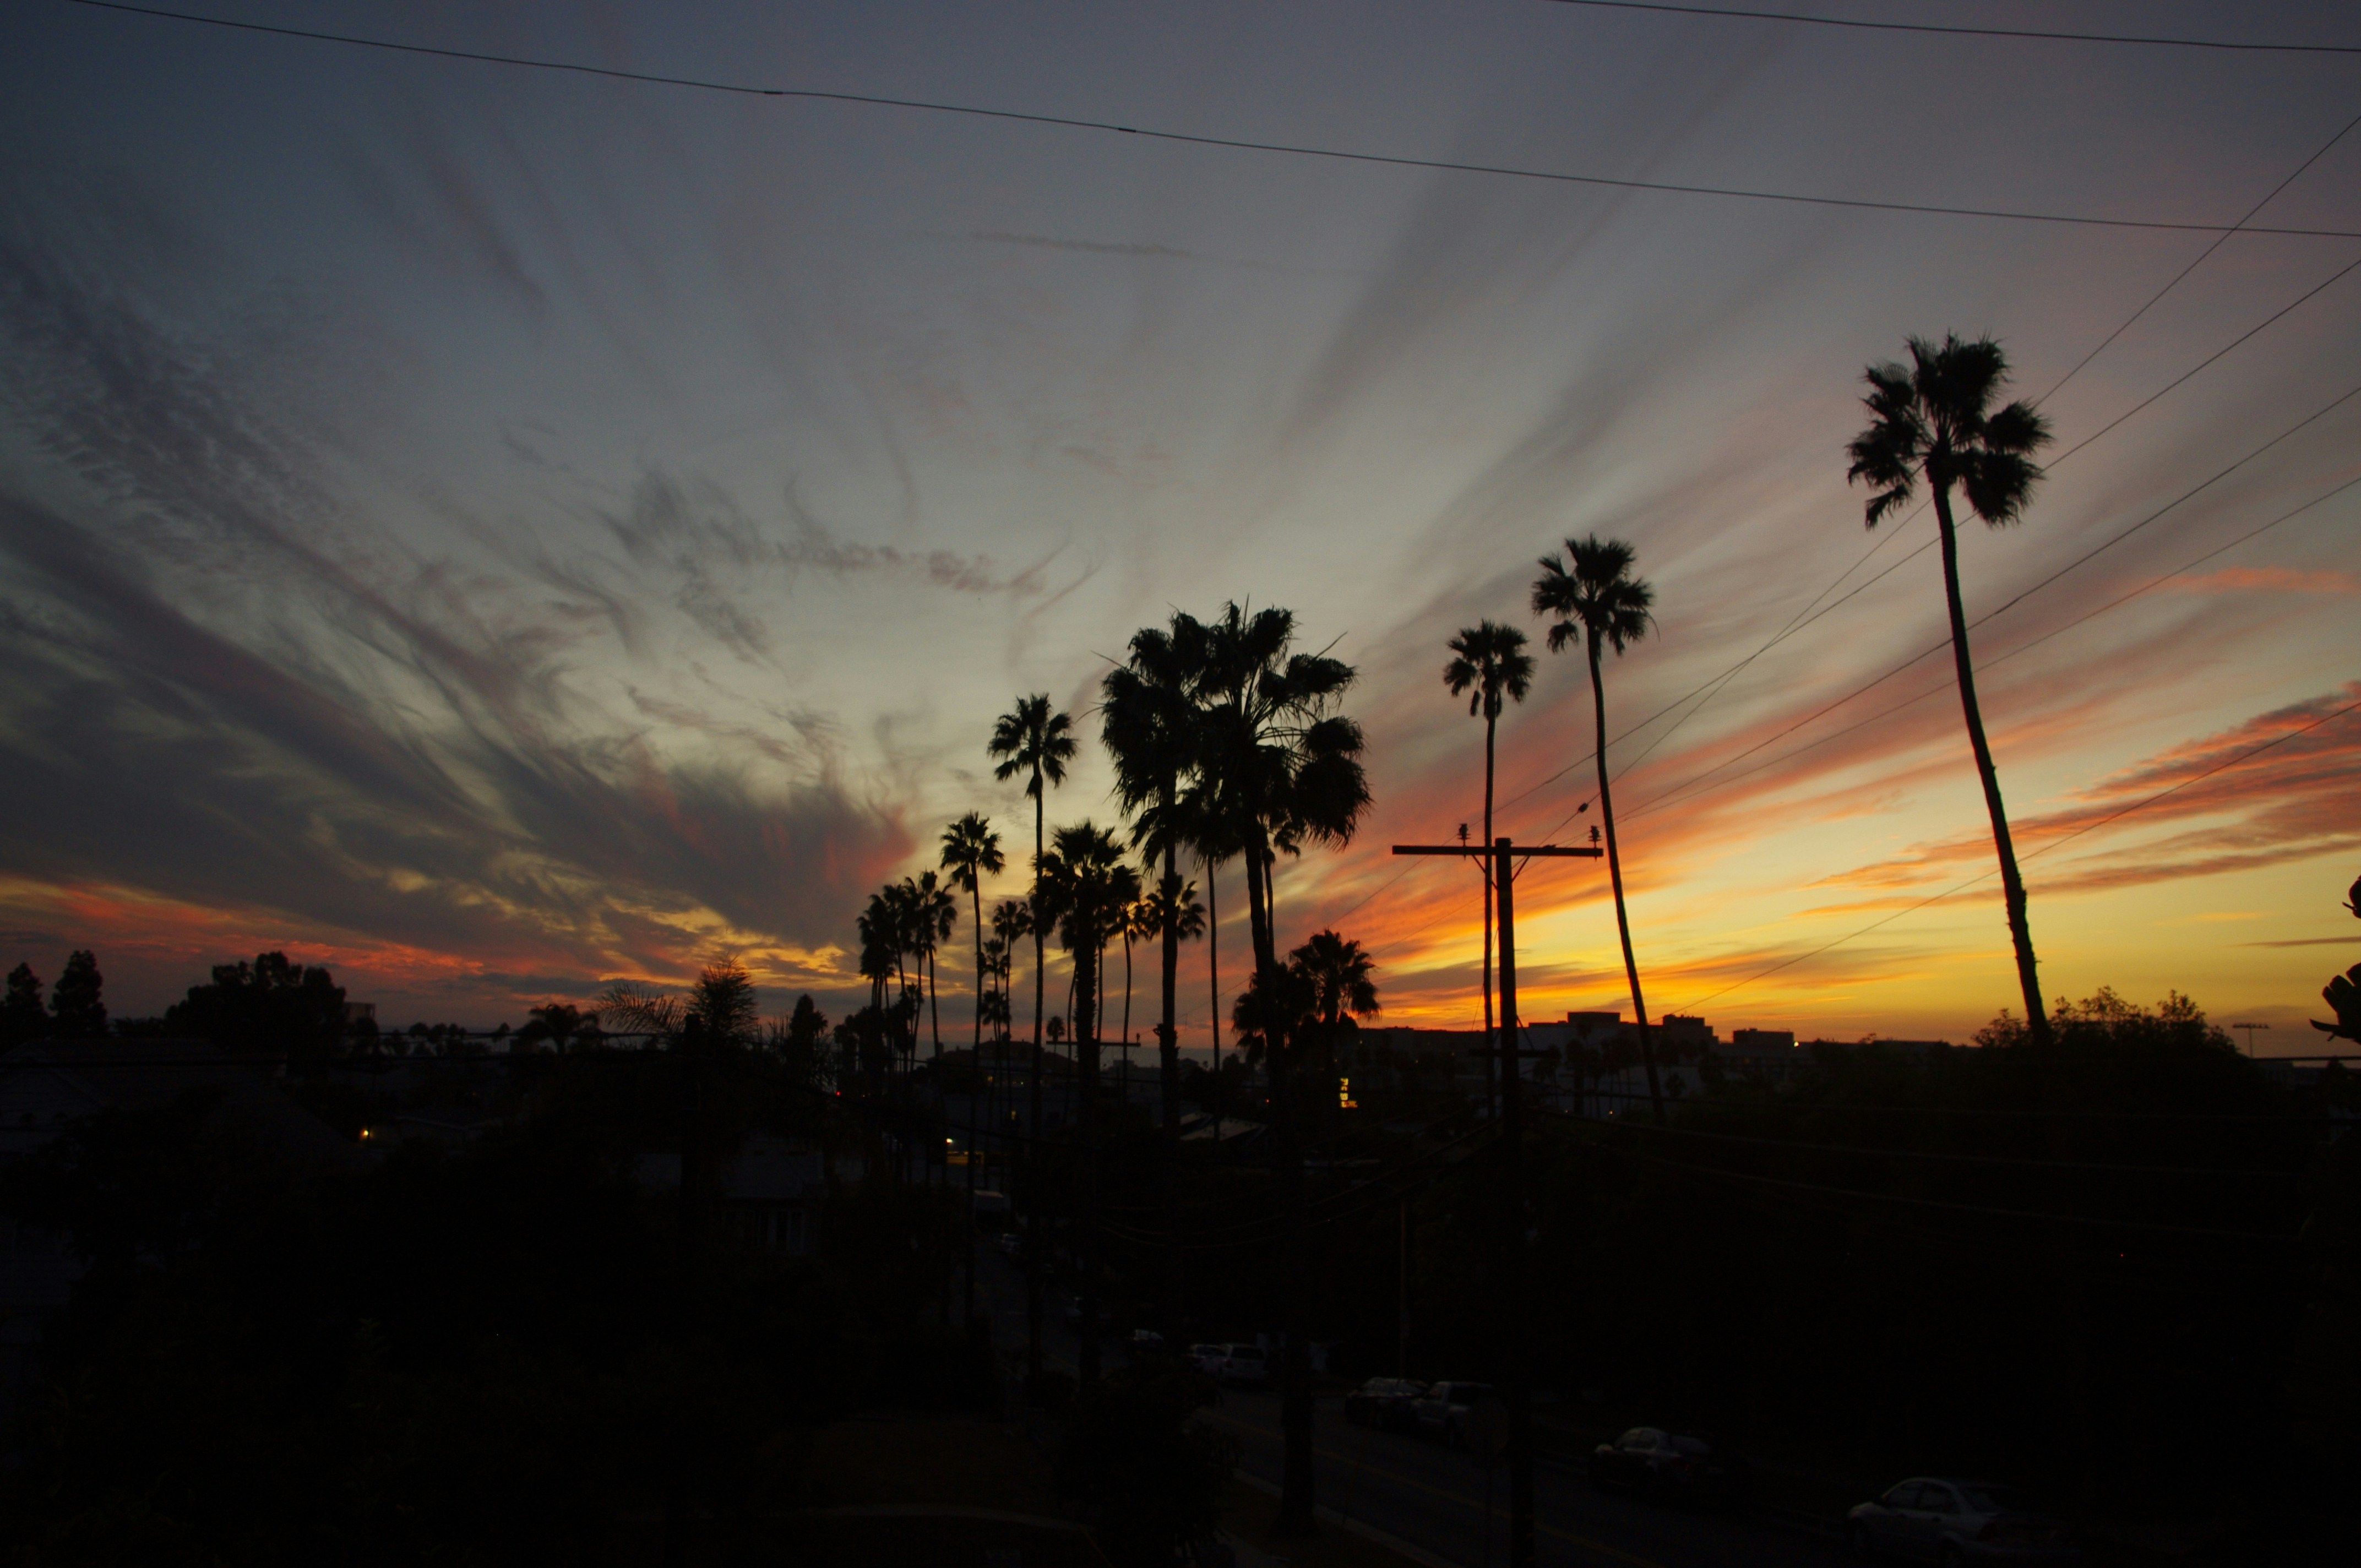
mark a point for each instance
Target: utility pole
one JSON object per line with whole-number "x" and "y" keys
{"x": 1516, "y": 1385}
{"x": 2250, "y": 1029}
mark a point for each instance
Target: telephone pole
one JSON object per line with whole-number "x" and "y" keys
{"x": 1516, "y": 1380}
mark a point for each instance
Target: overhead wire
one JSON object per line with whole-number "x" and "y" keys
{"x": 1714, "y": 686}
{"x": 2044, "y": 34}
{"x": 1238, "y": 143}
{"x": 1998, "y": 659}
{"x": 1686, "y": 790}
{"x": 2053, "y": 844}
{"x": 1807, "y": 616}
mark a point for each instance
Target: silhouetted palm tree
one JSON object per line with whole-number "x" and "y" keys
{"x": 1170, "y": 908}
{"x": 970, "y": 853}
{"x": 1601, "y": 604}
{"x": 1488, "y": 663}
{"x": 1031, "y": 740}
{"x": 1933, "y": 418}
{"x": 1279, "y": 768}
{"x": 1340, "y": 973}
{"x": 1148, "y": 719}
{"x": 933, "y": 914}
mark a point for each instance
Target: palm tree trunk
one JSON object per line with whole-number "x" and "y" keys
{"x": 1295, "y": 1498}
{"x": 1127, "y": 1014}
{"x": 1491, "y": 1063}
{"x": 934, "y": 1001}
{"x": 1213, "y": 964}
{"x": 1168, "y": 1040}
{"x": 1032, "y": 1199}
{"x": 1088, "y": 991}
{"x": 2012, "y": 884}
{"x": 1167, "y": 1075}
{"x": 978, "y": 890}
{"x": 1614, "y": 877}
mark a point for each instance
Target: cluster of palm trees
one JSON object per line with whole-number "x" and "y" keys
{"x": 1228, "y": 745}
{"x": 1932, "y": 420}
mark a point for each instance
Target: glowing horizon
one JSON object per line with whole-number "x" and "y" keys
{"x": 497, "y": 535}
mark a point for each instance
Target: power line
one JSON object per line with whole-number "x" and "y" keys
{"x": 2270, "y": 196}
{"x": 1799, "y": 621}
{"x": 1811, "y": 613}
{"x": 2147, "y": 586}
{"x": 2151, "y": 41}
{"x": 1234, "y": 144}
{"x": 2045, "y": 849}
{"x": 1688, "y": 790}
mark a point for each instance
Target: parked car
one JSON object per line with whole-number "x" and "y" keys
{"x": 1930, "y": 1518}
{"x": 1206, "y": 1358}
{"x": 1383, "y": 1403}
{"x": 1146, "y": 1341}
{"x": 1244, "y": 1363}
{"x": 1442, "y": 1410}
{"x": 1676, "y": 1466}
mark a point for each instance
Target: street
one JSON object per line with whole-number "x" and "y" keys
{"x": 1433, "y": 1498}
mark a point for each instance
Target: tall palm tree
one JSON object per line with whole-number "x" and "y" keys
{"x": 1934, "y": 419}
{"x": 934, "y": 913}
{"x": 1601, "y": 604}
{"x": 1148, "y": 719}
{"x": 1170, "y": 908}
{"x": 970, "y": 853}
{"x": 1488, "y": 663}
{"x": 1279, "y": 768}
{"x": 1031, "y": 740}
{"x": 1087, "y": 886}
{"x": 1338, "y": 979}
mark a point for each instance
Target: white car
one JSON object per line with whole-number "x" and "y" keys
{"x": 1933, "y": 1518}
{"x": 1245, "y": 1363}
{"x": 1206, "y": 1358}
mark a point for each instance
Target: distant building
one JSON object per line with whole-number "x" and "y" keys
{"x": 1759, "y": 1056}
{"x": 770, "y": 1194}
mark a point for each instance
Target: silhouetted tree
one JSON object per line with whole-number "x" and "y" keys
{"x": 1933, "y": 418}
{"x": 1032, "y": 743}
{"x": 76, "y": 1011}
{"x": 933, "y": 914}
{"x": 1488, "y": 663}
{"x": 1601, "y": 604}
{"x": 1279, "y": 767}
{"x": 556, "y": 1022}
{"x": 970, "y": 853}
{"x": 1150, "y": 723}
{"x": 269, "y": 1004}
{"x": 22, "y": 1016}
{"x": 2343, "y": 993}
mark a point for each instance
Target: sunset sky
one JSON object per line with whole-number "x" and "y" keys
{"x": 492, "y": 531}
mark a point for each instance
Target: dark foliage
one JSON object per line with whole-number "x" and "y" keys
{"x": 76, "y": 1010}
{"x": 1130, "y": 1454}
{"x": 502, "y": 1354}
{"x": 269, "y": 1006}
{"x": 22, "y": 1016}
